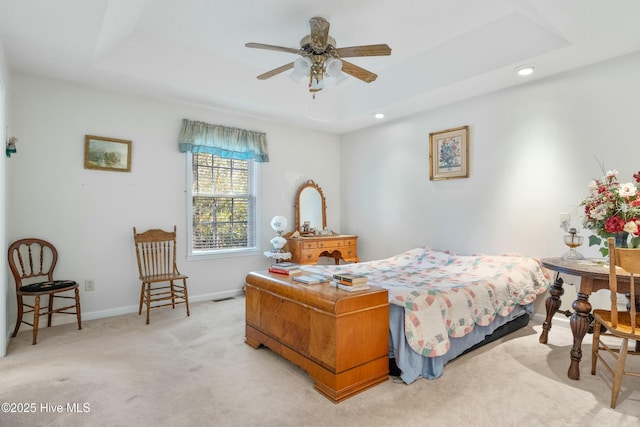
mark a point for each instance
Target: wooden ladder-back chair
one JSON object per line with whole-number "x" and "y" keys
{"x": 621, "y": 324}
{"x": 156, "y": 253}
{"x": 31, "y": 261}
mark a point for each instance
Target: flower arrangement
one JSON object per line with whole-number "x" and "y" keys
{"x": 612, "y": 207}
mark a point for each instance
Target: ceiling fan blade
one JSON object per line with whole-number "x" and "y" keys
{"x": 368, "y": 50}
{"x": 319, "y": 33}
{"x": 275, "y": 71}
{"x": 358, "y": 72}
{"x": 272, "y": 47}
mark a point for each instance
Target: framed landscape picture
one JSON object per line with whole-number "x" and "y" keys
{"x": 449, "y": 154}
{"x": 107, "y": 153}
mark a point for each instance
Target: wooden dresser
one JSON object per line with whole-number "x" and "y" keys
{"x": 307, "y": 250}
{"x": 339, "y": 338}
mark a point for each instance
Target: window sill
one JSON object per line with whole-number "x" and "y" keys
{"x": 228, "y": 253}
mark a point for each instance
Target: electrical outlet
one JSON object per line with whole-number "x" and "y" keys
{"x": 89, "y": 285}
{"x": 564, "y": 219}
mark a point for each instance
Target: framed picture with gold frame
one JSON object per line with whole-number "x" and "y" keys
{"x": 108, "y": 154}
{"x": 449, "y": 154}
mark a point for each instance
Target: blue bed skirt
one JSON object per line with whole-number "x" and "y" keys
{"x": 414, "y": 365}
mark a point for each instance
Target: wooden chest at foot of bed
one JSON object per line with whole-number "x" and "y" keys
{"x": 339, "y": 338}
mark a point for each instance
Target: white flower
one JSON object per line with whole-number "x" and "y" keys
{"x": 593, "y": 186}
{"x": 631, "y": 227}
{"x": 599, "y": 212}
{"x": 612, "y": 173}
{"x": 627, "y": 190}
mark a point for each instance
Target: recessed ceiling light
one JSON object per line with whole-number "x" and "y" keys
{"x": 525, "y": 70}
{"x": 379, "y": 116}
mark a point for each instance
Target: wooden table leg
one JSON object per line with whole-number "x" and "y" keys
{"x": 552, "y": 304}
{"x": 579, "y": 326}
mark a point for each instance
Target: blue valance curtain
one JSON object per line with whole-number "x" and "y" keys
{"x": 230, "y": 143}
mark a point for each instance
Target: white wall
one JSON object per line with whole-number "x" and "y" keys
{"x": 89, "y": 214}
{"x": 532, "y": 154}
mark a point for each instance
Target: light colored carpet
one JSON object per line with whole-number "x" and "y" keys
{"x": 198, "y": 371}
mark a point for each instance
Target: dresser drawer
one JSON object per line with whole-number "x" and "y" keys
{"x": 350, "y": 254}
{"x": 309, "y": 256}
{"x": 324, "y": 244}
{"x": 309, "y": 245}
{"x": 351, "y": 243}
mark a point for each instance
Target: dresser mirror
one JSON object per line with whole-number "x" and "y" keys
{"x": 311, "y": 208}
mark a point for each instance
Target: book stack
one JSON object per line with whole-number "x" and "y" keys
{"x": 289, "y": 268}
{"x": 310, "y": 279}
{"x": 350, "y": 282}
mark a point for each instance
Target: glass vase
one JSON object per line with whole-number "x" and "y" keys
{"x": 621, "y": 238}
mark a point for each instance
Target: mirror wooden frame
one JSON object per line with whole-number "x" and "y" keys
{"x": 310, "y": 184}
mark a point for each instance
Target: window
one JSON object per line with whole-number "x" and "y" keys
{"x": 223, "y": 204}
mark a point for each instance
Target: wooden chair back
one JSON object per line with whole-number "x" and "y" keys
{"x": 628, "y": 260}
{"x": 32, "y": 260}
{"x": 156, "y": 252}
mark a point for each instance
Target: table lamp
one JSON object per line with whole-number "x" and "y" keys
{"x": 279, "y": 225}
{"x": 572, "y": 239}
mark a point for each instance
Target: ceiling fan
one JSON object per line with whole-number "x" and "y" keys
{"x": 319, "y": 57}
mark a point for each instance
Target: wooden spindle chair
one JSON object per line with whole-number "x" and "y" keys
{"x": 162, "y": 283}
{"x": 32, "y": 260}
{"x": 616, "y": 323}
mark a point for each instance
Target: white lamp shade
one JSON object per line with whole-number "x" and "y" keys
{"x": 301, "y": 68}
{"x": 339, "y": 78}
{"x": 278, "y": 242}
{"x": 333, "y": 67}
{"x": 279, "y": 224}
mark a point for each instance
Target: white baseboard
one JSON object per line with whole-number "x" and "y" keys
{"x": 118, "y": 311}
{"x": 134, "y": 308}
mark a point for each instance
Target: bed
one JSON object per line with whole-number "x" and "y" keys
{"x": 444, "y": 304}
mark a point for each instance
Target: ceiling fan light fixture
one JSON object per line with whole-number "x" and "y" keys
{"x": 335, "y": 80}
{"x": 339, "y": 78}
{"x": 333, "y": 67}
{"x": 316, "y": 82}
{"x": 316, "y": 74}
{"x": 316, "y": 85}
{"x": 301, "y": 67}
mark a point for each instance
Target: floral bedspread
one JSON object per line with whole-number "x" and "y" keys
{"x": 445, "y": 295}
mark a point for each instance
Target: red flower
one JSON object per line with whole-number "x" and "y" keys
{"x": 636, "y": 176}
{"x": 614, "y": 224}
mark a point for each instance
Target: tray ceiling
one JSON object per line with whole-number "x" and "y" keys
{"x": 193, "y": 50}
